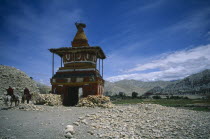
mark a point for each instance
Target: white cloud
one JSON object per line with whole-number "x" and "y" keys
{"x": 175, "y": 59}
{"x": 172, "y": 66}
{"x": 192, "y": 25}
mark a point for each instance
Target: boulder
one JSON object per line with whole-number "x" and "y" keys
{"x": 69, "y": 131}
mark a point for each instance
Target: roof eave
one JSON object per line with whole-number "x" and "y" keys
{"x": 60, "y": 51}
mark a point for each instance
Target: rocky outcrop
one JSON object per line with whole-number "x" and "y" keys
{"x": 10, "y": 76}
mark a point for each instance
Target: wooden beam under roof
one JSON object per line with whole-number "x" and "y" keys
{"x": 61, "y": 51}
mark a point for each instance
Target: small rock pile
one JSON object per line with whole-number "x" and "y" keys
{"x": 29, "y": 107}
{"x": 95, "y": 101}
{"x": 47, "y": 99}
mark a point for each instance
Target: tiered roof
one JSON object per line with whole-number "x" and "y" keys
{"x": 79, "y": 44}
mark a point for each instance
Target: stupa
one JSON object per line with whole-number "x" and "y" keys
{"x": 82, "y": 73}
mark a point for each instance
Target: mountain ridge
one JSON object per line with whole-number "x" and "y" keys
{"x": 197, "y": 83}
{"x": 129, "y": 86}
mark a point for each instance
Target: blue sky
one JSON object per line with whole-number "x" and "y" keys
{"x": 143, "y": 40}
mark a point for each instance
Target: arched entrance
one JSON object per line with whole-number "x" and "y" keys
{"x": 71, "y": 98}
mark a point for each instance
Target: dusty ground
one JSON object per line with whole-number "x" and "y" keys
{"x": 124, "y": 121}
{"x": 47, "y": 124}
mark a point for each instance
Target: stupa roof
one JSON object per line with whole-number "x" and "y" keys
{"x": 95, "y": 49}
{"x": 79, "y": 44}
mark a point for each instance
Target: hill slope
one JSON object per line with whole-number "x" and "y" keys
{"x": 129, "y": 86}
{"x": 198, "y": 83}
{"x": 10, "y": 76}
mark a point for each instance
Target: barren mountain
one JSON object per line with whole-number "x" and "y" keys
{"x": 129, "y": 86}
{"x": 198, "y": 83}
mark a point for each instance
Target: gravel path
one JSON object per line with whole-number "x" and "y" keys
{"x": 129, "y": 122}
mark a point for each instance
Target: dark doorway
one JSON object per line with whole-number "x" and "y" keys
{"x": 71, "y": 98}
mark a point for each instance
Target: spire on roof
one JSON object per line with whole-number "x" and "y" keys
{"x": 80, "y": 38}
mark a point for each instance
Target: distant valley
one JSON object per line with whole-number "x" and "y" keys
{"x": 129, "y": 86}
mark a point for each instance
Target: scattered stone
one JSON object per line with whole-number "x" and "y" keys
{"x": 69, "y": 129}
{"x": 68, "y": 135}
{"x": 148, "y": 121}
{"x": 76, "y": 123}
{"x": 84, "y": 121}
{"x": 91, "y": 132}
{"x": 81, "y": 118}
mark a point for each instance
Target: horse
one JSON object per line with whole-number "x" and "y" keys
{"x": 11, "y": 99}
{"x": 26, "y": 97}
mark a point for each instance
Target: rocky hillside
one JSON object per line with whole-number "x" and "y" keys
{"x": 129, "y": 86}
{"x": 10, "y": 76}
{"x": 198, "y": 83}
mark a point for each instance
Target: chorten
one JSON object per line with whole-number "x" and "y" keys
{"x": 82, "y": 73}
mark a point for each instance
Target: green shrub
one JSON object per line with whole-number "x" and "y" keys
{"x": 121, "y": 94}
{"x": 156, "y": 97}
{"x": 175, "y": 97}
{"x": 134, "y": 94}
{"x": 185, "y": 98}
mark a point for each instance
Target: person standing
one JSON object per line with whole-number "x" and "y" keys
{"x": 26, "y": 95}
